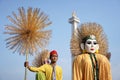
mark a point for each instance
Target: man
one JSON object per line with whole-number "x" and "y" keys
{"x": 52, "y": 70}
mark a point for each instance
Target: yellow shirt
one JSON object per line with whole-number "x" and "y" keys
{"x": 82, "y": 68}
{"x": 47, "y": 69}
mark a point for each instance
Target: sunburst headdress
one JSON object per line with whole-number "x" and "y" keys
{"x": 27, "y": 31}
{"x": 40, "y": 58}
{"x": 87, "y": 29}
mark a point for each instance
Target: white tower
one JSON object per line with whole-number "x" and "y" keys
{"x": 74, "y": 21}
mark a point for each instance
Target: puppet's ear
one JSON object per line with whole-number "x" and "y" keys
{"x": 82, "y": 46}
{"x": 97, "y": 47}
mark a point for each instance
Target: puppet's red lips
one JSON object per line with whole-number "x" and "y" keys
{"x": 92, "y": 49}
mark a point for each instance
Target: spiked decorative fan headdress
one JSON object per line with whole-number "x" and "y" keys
{"x": 40, "y": 58}
{"x": 87, "y": 29}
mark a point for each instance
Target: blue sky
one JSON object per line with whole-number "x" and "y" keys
{"x": 104, "y": 12}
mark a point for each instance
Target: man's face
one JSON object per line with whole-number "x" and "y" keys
{"x": 91, "y": 46}
{"x": 54, "y": 58}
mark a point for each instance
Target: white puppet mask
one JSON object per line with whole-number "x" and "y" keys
{"x": 90, "y": 45}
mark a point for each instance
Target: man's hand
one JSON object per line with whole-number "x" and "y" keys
{"x": 26, "y": 64}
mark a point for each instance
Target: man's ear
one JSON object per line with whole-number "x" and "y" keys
{"x": 82, "y": 46}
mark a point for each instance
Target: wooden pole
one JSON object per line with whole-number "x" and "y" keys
{"x": 25, "y": 78}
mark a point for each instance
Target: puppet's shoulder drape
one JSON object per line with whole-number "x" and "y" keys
{"x": 82, "y": 68}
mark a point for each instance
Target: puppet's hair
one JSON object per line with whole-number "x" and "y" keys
{"x": 87, "y": 29}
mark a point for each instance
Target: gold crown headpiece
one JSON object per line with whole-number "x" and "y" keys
{"x": 88, "y": 37}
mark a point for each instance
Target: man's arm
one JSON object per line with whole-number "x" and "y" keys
{"x": 34, "y": 69}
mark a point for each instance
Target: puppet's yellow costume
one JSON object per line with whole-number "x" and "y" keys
{"x": 90, "y": 66}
